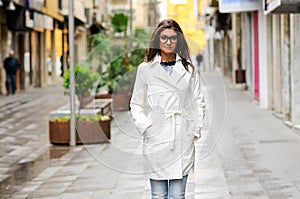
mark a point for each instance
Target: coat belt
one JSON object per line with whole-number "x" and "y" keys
{"x": 172, "y": 115}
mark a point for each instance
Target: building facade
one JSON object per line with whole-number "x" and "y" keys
{"x": 38, "y": 32}
{"x": 262, "y": 41}
{"x": 190, "y": 15}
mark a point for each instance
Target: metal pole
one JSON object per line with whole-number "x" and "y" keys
{"x": 130, "y": 15}
{"x": 72, "y": 76}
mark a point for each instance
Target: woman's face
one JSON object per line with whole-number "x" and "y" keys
{"x": 168, "y": 41}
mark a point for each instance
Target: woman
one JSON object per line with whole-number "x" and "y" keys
{"x": 167, "y": 107}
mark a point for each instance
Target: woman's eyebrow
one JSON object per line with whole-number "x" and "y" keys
{"x": 167, "y": 35}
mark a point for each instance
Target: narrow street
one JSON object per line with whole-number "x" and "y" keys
{"x": 245, "y": 152}
{"x": 24, "y": 141}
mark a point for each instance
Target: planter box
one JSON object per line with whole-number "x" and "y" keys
{"x": 87, "y": 132}
{"x": 240, "y": 76}
{"x": 59, "y": 132}
{"x": 93, "y": 131}
{"x": 103, "y": 96}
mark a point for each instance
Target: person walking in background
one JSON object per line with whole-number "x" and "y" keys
{"x": 199, "y": 59}
{"x": 168, "y": 107}
{"x": 11, "y": 66}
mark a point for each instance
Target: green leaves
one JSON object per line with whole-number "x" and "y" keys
{"x": 119, "y": 22}
{"x": 85, "y": 79}
{"x": 82, "y": 118}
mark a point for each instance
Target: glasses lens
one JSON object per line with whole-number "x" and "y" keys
{"x": 163, "y": 39}
{"x": 173, "y": 39}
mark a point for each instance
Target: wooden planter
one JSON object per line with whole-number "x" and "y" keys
{"x": 59, "y": 132}
{"x": 240, "y": 76}
{"x": 93, "y": 131}
{"x": 87, "y": 132}
{"x": 103, "y": 96}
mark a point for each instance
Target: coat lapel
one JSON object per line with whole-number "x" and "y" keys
{"x": 173, "y": 79}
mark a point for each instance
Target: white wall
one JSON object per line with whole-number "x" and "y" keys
{"x": 295, "y": 69}
{"x": 263, "y": 63}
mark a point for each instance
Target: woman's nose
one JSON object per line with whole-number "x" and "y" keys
{"x": 169, "y": 41}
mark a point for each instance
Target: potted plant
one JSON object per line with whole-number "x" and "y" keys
{"x": 85, "y": 80}
{"x": 59, "y": 130}
{"x": 119, "y": 76}
{"x": 89, "y": 129}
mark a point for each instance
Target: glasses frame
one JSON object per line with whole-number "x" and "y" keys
{"x": 168, "y": 38}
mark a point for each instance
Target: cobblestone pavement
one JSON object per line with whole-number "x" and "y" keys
{"x": 244, "y": 152}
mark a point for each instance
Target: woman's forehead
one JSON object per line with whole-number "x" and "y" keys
{"x": 168, "y": 32}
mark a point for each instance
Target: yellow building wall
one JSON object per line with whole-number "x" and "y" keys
{"x": 185, "y": 15}
{"x": 51, "y": 9}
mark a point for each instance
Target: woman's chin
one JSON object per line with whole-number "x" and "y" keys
{"x": 168, "y": 51}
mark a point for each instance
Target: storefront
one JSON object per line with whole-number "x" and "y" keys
{"x": 284, "y": 78}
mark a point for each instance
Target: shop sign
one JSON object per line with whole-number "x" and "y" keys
{"x": 36, "y": 4}
{"x": 38, "y": 21}
{"x": 42, "y": 22}
{"x": 48, "y": 22}
{"x": 281, "y": 6}
{"x": 271, "y": 5}
{"x": 28, "y": 19}
{"x": 228, "y": 6}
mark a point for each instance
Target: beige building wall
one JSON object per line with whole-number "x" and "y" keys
{"x": 3, "y": 50}
{"x": 139, "y": 13}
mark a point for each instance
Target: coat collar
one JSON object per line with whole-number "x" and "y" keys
{"x": 157, "y": 58}
{"x": 159, "y": 73}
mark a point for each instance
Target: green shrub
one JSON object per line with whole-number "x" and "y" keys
{"x": 85, "y": 80}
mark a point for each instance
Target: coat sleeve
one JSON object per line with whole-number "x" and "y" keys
{"x": 137, "y": 101}
{"x": 198, "y": 102}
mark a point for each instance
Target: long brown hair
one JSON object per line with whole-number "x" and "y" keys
{"x": 181, "y": 49}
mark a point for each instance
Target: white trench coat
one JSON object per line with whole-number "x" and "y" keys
{"x": 168, "y": 111}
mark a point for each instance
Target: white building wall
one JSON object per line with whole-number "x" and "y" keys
{"x": 263, "y": 63}
{"x": 277, "y": 68}
{"x": 295, "y": 69}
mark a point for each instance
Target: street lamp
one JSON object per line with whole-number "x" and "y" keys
{"x": 11, "y": 6}
{"x": 1, "y": 3}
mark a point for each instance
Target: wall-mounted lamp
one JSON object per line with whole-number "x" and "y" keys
{"x": 11, "y": 6}
{"x": 1, "y": 3}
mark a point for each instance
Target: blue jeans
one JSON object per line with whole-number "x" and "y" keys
{"x": 168, "y": 189}
{"x": 11, "y": 83}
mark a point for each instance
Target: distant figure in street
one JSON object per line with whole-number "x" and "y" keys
{"x": 199, "y": 59}
{"x": 167, "y": 106}
{"x": 11, "y": 65}
{"x": 62, "y": 69}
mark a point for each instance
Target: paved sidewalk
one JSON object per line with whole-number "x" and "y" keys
{"x": 23, "y": 135}
{"x": 244, "y": 153}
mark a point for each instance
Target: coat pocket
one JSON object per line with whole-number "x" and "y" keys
{"x": 157, "y": 119}
{"x": 189, "y": 126}
{"x": 160, "y": 130}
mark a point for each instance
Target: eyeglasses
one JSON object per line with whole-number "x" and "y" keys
{"x": 164, "y": 39}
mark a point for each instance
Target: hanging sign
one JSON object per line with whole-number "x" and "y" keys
{"x": 228, "y": 6}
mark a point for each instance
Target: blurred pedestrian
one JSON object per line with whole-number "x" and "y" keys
{"x": 62, "y": 69}
{"x": 11, "y": 66}
{"x": 168, "y": 107}
{"x": 199, "y": 59}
